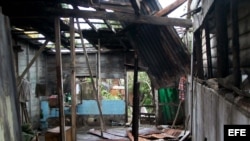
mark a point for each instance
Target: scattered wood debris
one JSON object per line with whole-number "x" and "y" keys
{"x": 145, "y": 134}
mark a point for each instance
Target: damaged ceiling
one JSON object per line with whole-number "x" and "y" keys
{"x": 117, "y": 25}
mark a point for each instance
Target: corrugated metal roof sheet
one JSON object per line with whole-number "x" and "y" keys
{"x": 160, "y": 49}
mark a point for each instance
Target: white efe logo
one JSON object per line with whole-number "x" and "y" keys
{"x": 237, "y": 132}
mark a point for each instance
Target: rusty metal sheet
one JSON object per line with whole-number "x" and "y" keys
{"x": 131, "y": 137}
{"x": 147, "y": 134}
{"x": 173, "y": 132}
{"x": 159, "y": 136}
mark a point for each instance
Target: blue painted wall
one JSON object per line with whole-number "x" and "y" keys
{"x": 87, "y": 107}
{"x": 109, "y": 107}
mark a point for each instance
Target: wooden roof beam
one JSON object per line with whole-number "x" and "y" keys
{"x": 124, "y": 17}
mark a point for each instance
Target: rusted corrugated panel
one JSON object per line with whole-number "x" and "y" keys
{"x": 160, "y": 49}
{"x": 9, "y": 125}
{"x": 163, "y": 52}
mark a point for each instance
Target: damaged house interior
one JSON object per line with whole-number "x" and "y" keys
{"x": 127, "y": 70}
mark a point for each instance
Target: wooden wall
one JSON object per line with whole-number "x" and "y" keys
{"x": 35, "y": 75}
{"x": 112, "y": 66}
{"x": 206, "y": 103}
{"x": 244, "y": 36}
{"x": 9, "y": 120}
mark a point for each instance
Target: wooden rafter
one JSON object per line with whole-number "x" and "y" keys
{"x": 146, "y": 19}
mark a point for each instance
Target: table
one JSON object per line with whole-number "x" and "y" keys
{"x": 54, "y": 134}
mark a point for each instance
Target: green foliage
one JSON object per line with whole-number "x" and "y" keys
{"x": 143, "y": 78}
{"x": 145, "y": 87}
{"x": 107, "y": 95}
{"x": 27, "y": 132}
{"x": 27, "y": 127}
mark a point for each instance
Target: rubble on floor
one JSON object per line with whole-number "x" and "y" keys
{"x": 159, "y": 133}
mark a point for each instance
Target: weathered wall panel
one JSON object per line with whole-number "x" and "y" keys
{"x": 212, "y": 110}
{"x": 112, "y": 66}
{"x": 198, "y": 18}
{"x": 244, "y": 35}
{"x": 35, "y": 75}
{"x": 9, "y": 126}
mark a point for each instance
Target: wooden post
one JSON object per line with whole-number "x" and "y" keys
{"x": 208, "y": 49}
{"x": 135, "y": 120}
{"x": 98, "y": 67}
{"x": 59, "y": 78}
{"x": 198, "y": 54}
{"x": 126, "y": 95}
{"x": 154, "y": 101}
{"x": 236, "y": 44}
{"x": 73, "y": 78}
{"x": 156, "y": 98}
{"x": 98, "y": 81}
{"x": 222, "y": 38}
{"x": 91, "y": 76}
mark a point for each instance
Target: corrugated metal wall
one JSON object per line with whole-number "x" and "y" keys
{"x": 164, "y": 53}
{"x": 9, "y": 125}
{"x": 160, "y": 49}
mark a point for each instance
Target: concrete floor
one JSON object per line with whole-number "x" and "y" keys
{"x": 83, "y": 135}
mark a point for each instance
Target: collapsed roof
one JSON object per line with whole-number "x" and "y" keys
{"x": 124, "y": 25}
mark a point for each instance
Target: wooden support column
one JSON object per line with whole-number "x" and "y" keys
{"x": 126, "y": 94}
{"x": 208, "y": 50}
{"x": 222, "y": 38}
{"x": 92, "y": 80}
{"x": 98, "y": 76}
{"x": 59, "y": 78}
{"x": 236, "y": 44}
{"x": 73, "y": 80}
{"x": 198, "y": 54}
{"x": 136, "y": 101}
